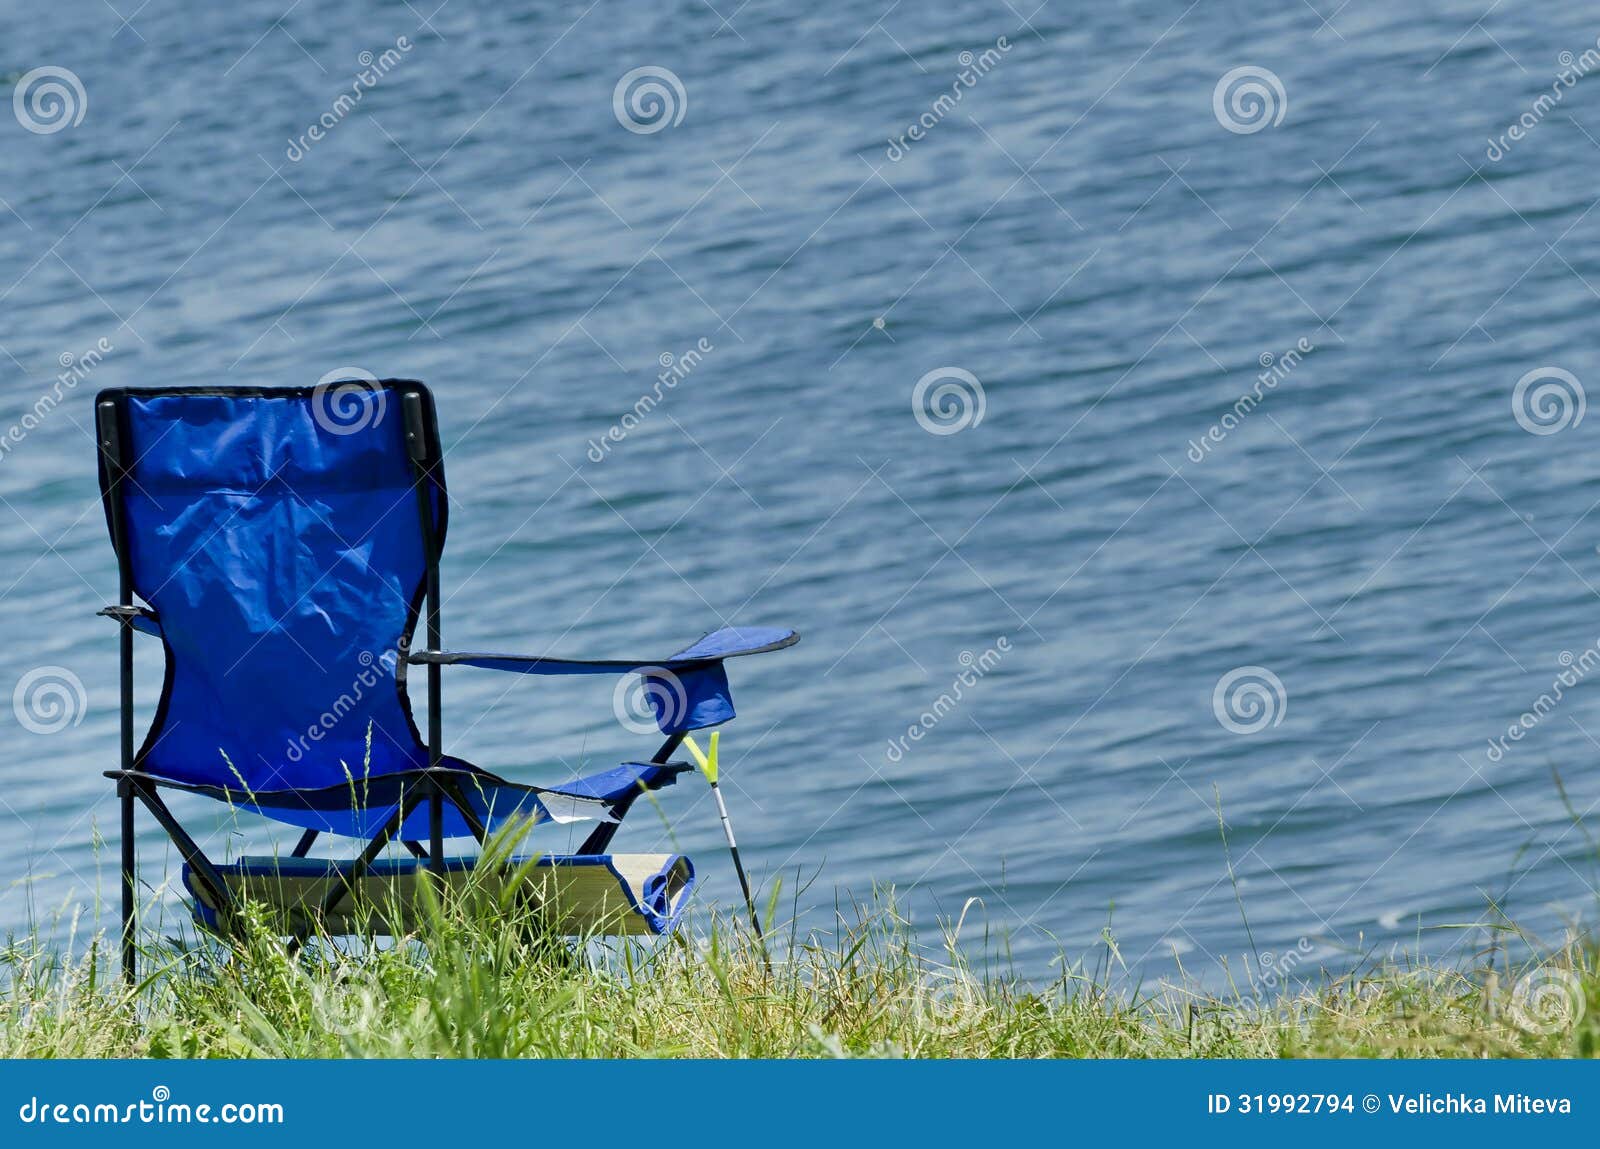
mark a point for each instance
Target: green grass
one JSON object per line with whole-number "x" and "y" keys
{"x": 480, "y": 980}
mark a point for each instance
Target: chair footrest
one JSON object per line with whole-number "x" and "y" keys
{"x": 575, "y": 894}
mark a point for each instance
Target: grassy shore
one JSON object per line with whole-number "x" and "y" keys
{"x": 479, "y": 980}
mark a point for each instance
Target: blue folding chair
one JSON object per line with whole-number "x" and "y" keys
{"x": 282, "y": 544}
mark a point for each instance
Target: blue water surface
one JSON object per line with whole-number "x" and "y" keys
{"x": 1143, "y": 410}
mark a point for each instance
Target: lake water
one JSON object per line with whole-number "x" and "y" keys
{"x": 1211, "y": 451}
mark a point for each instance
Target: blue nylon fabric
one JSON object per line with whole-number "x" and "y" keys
{"x": 275, "y": 537}
{"x": 725, "y": 643}
{"x": 610, "y": 785}
{"x": 703, "y": 697}
{"x": 689, "y": 699}
{"x": 682, "y": 698}
{"x": 365, "y": 821}
{"x": 493, "y": 805}
{"x": 733, "y": 640}
{"x": 281, "y": 557}
{"x": 146, "y": 625}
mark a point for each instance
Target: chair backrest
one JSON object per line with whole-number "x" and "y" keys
{"x": 278, "y": 537}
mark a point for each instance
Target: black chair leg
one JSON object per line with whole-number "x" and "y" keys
{"x": 436, "y": 831}
{"x": 130, "y": 970}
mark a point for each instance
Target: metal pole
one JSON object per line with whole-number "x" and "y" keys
{"x": 130, "y": 878}
{"x": 417, "y": 445}
{"x": 738, "y": 865}
{"x": 710, "y": 768}
{"x": 111, "y": 452}
{"x": 130, "y": 970}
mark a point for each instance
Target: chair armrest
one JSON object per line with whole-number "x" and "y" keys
{"x": 729, "y": 642}
{"x": 685, "y": 691}
{"x": 623, "y": 781}
{"x": 140, "y": 618}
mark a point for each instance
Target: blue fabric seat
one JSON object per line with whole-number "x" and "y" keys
{"x": 283, "y": 545}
